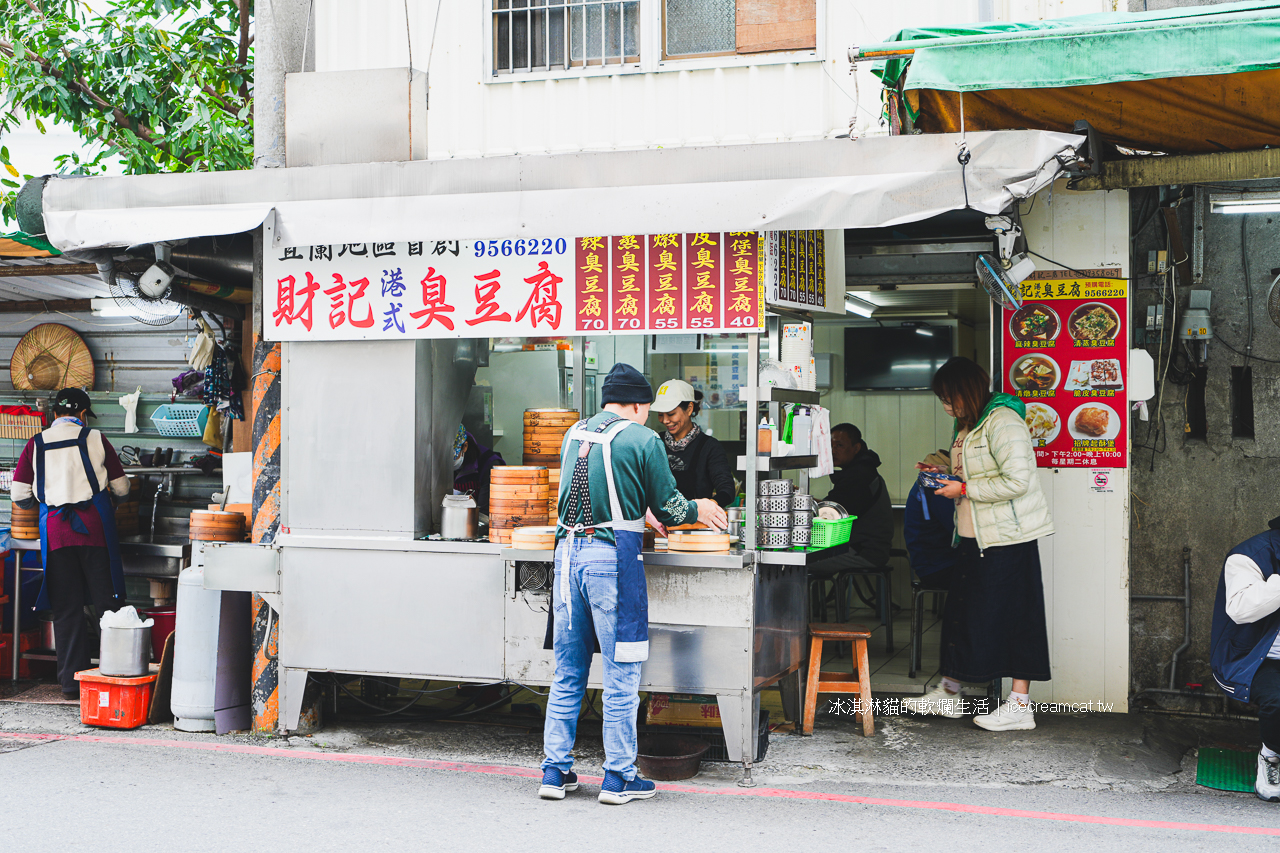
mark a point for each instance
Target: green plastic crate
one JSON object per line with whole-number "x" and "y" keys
{"x": 827, "y": 533}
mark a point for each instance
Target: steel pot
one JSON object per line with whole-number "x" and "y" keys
{"x": 125, "y": 652}
{"x": 459, "y": 517}
{"x": 46, "y": 632}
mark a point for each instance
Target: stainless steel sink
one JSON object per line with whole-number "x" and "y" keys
{"x": 163, "y": 558}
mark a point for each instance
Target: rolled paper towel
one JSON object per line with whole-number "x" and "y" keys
{"x": 130, "y": 404}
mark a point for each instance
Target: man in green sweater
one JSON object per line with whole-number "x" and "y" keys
{"x": 619, "y": 469}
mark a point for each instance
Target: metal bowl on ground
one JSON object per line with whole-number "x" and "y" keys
{"x": 669, "y": 758}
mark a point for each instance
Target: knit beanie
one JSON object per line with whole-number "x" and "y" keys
{"x": 625, "y": 384}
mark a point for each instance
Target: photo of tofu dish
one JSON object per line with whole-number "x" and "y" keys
{"x": 1093, "y": 321}
{"x": 1034, "y": 322}
{"x": 1101, "y": 374}
{"x": 1034, "y": 373}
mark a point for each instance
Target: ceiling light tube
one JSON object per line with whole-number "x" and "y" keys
{"x": 1245, "y": 202}
{"x": 861, "y": 307}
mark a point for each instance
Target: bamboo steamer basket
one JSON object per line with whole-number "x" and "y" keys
{"x": 518, "y": 474}
{"x": 534, "y": 538}
{"x": 514, "y": 507}
{"x": 500, "y": 536}
{"x": 696, "y": 542}
{"x": 531, "y": 459}
{"x": 506, "y": 522}
{"x": 519, "y": 492}
{"x": 551, "y": 417}
{"x": 24, "y": 523}
{"x": 214, "y": 526}
{"x": 537, "y": 447}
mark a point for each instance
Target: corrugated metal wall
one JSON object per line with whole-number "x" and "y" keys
{"x": 126, "y": 354}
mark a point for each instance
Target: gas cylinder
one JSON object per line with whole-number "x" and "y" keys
{"x": 195, "y": 652}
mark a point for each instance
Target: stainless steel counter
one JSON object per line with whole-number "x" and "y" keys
{"x": 720, "y": 623}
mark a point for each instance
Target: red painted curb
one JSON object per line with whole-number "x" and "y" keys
{"x": 527, "y": 773}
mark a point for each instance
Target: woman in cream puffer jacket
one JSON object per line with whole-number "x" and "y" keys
{"x": 994, "y": 624}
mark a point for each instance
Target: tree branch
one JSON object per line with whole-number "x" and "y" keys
{"x": 118, "y": 115}
{"x": 243, "y": 55}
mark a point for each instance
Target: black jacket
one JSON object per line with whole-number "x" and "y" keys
{"x": 859, "y": 488}
{"x": 702, "y": 470}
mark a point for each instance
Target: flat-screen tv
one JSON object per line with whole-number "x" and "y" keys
{"x": 894, "y": 358}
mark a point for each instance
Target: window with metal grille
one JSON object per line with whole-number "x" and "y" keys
{"x": 699, "y": 27}
{"x": 531, "y": 35}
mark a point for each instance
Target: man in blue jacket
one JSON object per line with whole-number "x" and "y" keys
{"x": 1245, "y": 648}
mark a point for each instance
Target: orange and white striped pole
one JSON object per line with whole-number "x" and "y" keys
{"x": 266, "y": 522}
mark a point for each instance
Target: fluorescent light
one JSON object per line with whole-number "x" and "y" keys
{"x": 111, "y": 308}
{"x": 861, "y": 307}
{"x": 1245, "y": 202}
{"x": 924, "y": 330}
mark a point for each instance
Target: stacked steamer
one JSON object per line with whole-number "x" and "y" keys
{"x": 216, "y": 526}
{"x": 544, "y": 431}
{"x": 25, "y": 523}
{"x": 696, "y": 538}
{"x": 773, "y": 514}
{"x": 518, "y": 497}
{"x": 127, "y": 511}
{"x": 802, "y": 509}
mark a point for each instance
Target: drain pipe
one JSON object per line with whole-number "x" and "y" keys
{"x": 1185, "y": 598}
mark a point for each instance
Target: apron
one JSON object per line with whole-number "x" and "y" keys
{"x": 632, "y": 630}
{"x": 101, "y": 501}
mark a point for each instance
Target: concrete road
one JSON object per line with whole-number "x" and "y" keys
{"x": 160, "y": 792}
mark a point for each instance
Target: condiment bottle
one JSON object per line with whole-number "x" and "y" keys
{"x": 765, "y": 437}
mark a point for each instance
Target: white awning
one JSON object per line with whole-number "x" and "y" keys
{"x": 833, "y": 183}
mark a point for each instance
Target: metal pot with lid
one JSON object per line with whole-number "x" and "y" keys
{"x": 459, "y": 518}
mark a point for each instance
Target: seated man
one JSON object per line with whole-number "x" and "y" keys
{"x": 1245, "y": 646}
{"x": 860, "y": 489}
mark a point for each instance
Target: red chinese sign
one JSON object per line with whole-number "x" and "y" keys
{"x": 666, "y": 281}
{"x": 1066, "y": 357}
{"x": 626, "y": 288}
{"x": 510, "y": 288}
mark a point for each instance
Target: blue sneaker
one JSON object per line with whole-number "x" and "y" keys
{"x": 617, "y": 791}
{"x": 555, "y": 784}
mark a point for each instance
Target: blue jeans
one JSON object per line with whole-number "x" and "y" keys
{"x": 590, "y": 615}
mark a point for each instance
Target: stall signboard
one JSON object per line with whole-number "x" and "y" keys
{"x": 1066, "y": 357}
{"x": 795, "y": 269}
{"x": 619, "y": 284}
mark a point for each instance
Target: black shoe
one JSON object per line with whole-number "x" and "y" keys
{"x": 71, "y": 695}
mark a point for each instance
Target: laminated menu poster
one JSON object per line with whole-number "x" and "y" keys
{"x": 1066, "y": 357}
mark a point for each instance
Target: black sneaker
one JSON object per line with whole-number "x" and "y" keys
{"x": 555, "y": 784}
{"x": 71, "y": 695}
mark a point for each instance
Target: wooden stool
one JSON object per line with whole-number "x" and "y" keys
{"x": 858, "y": 681}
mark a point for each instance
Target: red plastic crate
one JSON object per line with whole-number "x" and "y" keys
{"x": 118, "y": 703}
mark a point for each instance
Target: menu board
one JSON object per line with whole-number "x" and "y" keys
{"x": 1066, "y": 357}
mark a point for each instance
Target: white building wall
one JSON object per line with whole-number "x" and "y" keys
{"x": 1086, "y": 563}
{"x": 764, "y": 97}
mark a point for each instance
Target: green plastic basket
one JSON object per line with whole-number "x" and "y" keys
{"x": 827, "y": 533}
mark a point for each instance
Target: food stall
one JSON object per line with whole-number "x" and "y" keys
{"x": 381, "y": 341}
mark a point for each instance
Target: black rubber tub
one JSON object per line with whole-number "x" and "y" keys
{"x": 669, "y": 758}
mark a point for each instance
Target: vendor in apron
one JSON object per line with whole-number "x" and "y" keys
{"x": 67, "y": 469}
{"x": 616, "y": 469}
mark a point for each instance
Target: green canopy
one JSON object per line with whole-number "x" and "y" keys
{"x": 1086, "y": 50}
{"x": 28, "y": 240}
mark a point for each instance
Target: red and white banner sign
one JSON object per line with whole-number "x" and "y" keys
{"x": 622, "y": 284}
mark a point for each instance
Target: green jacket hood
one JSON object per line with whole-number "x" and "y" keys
{"x": 998, "y": 401}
